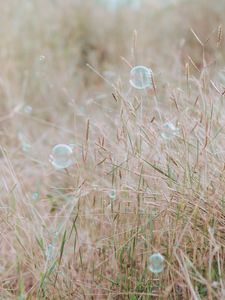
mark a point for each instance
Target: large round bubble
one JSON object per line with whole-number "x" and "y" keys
{"x": 61, "y": 156}
{"x": 141, "y": 77}
{"x": 156, "y": 263}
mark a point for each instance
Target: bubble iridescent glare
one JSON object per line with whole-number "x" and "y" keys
{"x": 61, "y": 157}
{"x": 141, "y": 77}
{"x": 156, "y": 263}
{"x": 169, "y": 131}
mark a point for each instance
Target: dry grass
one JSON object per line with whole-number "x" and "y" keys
{"x": 70, "y": 61}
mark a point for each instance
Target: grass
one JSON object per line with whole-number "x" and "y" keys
{"x": 90, "y": 229}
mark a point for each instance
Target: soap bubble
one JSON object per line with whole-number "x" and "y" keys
{"x": 156, "y": 263}
{"x": 42, "y": 58}
{"x": 141, "y": 77}
{"x": 25, "y": 144}
{"x": 61, "y": 157}
{"x": 35, "y": 196}
{"x": 169, "y": 131}
{"x": 27, "y": 109}
{"x": 50, "y": 252}
{"x": 112, "y": 195}
{"x": 26, "y": 147}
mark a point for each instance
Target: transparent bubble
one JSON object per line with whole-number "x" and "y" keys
{"x": 61, "y": 156}
{"x": 21, "y": 136}
{"x": 26, "y": 147}
{"x": 112, "y": 195}
{"x": 35, "y": 196}
{"x": 42, "y": 58}
{"x": 141, "y": 77}
{"x": 50, "y": 252}
{"x": 156, "y": 263}
{"x": 169, "y": 131}
{"x": 27, "y": 109}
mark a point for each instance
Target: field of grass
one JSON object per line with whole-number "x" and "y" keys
{"x": 87, "y": 232}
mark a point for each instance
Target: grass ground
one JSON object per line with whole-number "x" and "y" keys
{"x": 62, "y": 234}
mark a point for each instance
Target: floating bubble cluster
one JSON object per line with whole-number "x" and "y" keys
{"x": 169, "y": 131}
{"x": 61, "y": 157}
{"x": 141, "y": 78}
{"x": 156, "y": 263}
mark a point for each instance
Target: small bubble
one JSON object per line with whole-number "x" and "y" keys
{"x": 26, "y": 147}
{"x": 141, "y": 77}
{"x": 50, "y": 252}
{"x": 42, "y": 58}
{"x": 27, "y": 109}
{"x": 156, "y": 263}
{"x": 112, "y": 195}
{"x": 35, "y": 196}
{"x": 61, "y": 157}
{"x": 81, "y": 111}
{"x": 169, "y": 131}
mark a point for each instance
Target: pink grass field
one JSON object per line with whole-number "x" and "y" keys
{"x": 87, "y": 232}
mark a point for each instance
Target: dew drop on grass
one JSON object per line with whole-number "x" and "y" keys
{"x": 61, "y": 157}
{"x": 141, "y": 77}
{"x": 156, "y": 263}
{"x": 169, "y": 131}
